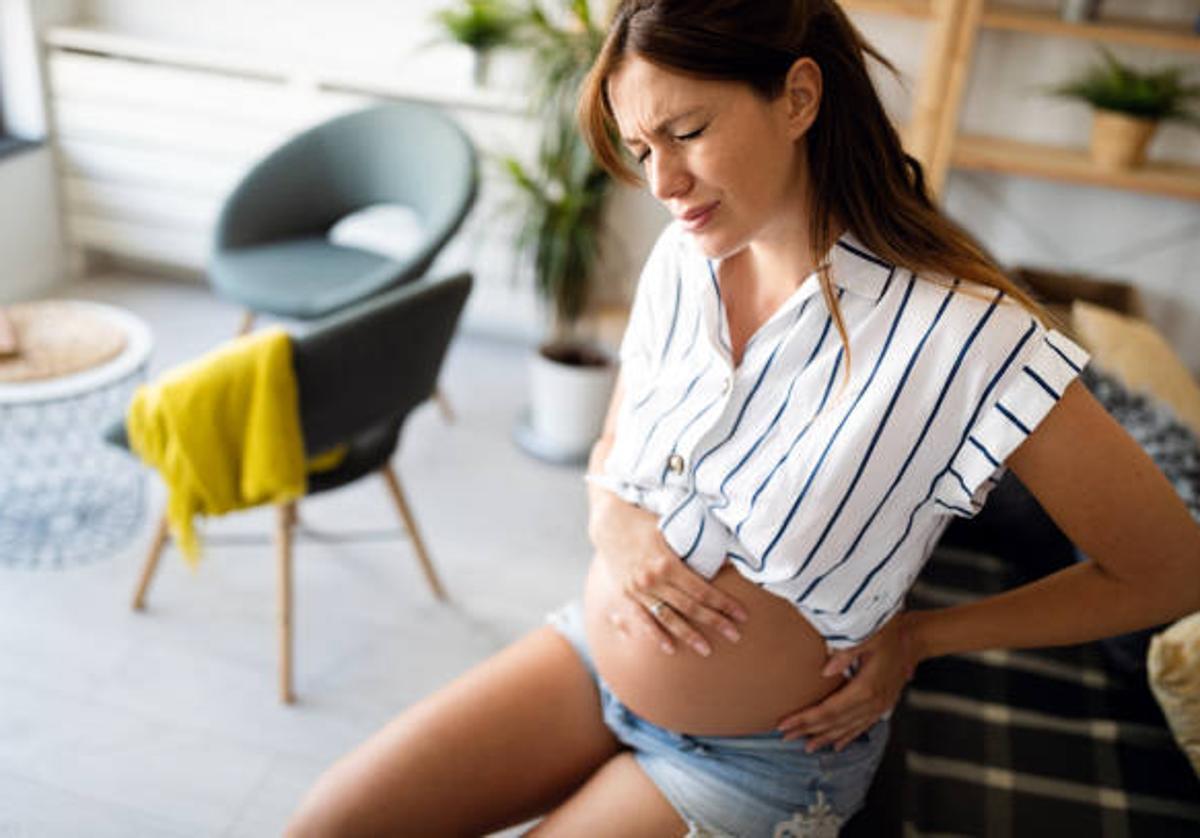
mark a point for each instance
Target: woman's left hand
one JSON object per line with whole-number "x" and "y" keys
{"x": 885, "y": 664}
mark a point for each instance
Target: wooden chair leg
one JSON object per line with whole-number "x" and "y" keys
{"x": 285, "y": 521}
{"x": 443, "y": 404}
{"x": 410, "y": 524}
{"x": 151, "y": 564}
{"x": 247, "y": 323}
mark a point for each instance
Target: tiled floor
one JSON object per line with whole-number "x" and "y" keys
{"x": 166, "y": 723}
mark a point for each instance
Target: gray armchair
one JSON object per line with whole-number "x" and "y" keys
{"x": 271, "y": 253}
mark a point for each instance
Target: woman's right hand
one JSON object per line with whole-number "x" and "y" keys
{"x": 662, "y": 595}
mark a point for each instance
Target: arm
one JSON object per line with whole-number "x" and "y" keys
{"x": 632, "y": 550}
{"x": 1111, "y": 500}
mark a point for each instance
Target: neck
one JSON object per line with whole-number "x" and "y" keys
{"x": 779, "y": 259}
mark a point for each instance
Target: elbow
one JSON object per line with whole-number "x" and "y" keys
{"x": 599, "y": 453}
{"x": 1177, "y": 586}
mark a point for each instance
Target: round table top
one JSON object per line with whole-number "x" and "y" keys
{"x": 79, "y": 347}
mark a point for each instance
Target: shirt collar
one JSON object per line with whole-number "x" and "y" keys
{"x": 852, "y": 267}
{"x": 858, "y": 270}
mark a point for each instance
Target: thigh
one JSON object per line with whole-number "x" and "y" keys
{"x": 620, "y": 801}
{"x": 503, "y": 743}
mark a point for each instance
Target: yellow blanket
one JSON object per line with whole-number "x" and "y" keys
{"x": 224, "y": 432}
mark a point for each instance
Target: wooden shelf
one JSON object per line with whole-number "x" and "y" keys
{"x": 995, "y": 154}
{"x": 906, "y": 8}
{"x": 1165, "y": 36}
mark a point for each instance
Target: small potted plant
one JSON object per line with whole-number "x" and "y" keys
{"x": 561, "y": 197}
{"x": 1128, "y": 106}
{"x": 481, "y": 25}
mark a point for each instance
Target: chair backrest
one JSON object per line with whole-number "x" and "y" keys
{"x": 375, "y": 361}
{"x": 404, "y": 153}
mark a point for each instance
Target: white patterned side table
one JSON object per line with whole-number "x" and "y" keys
{"x": 66, "y": 496}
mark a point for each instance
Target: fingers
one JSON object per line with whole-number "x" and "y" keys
{"x": 842, "y": 738}
{"x": 642, "y": 621}
{"x": 839, "y": 662}
{"x": 654, "y": 577}
{"x": 816, "y": 720}
{"x": 838, "y": 732}
{"x": 853, "y": 705}
{"x": 709, "y": 596}
{"x": 692, "y": 603}
{"x": 699, "y": 613}
{"x": 672, "y": 617}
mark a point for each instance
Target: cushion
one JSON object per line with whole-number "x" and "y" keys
{"x": 392, "y": 230}
{"x": 1140, "y": 357}
{"x": 1057, "y": 290}
{"x": 1174, "y": 669}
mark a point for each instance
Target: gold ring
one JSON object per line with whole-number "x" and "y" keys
{"x": 657, "y": 608}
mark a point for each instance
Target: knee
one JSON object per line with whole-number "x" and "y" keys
{"x": 314, "y": 822}
{"x": 325, "y": 812}
{"x": 323, "y": 822}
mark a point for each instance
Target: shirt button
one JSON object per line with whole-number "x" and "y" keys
{"x": 675, "y": 463}
{"x": 725, "y": 386}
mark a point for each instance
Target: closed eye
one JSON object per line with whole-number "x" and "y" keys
{"x": 691, "y": 135}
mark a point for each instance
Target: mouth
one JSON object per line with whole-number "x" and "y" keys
{"x": 696, "y": 218}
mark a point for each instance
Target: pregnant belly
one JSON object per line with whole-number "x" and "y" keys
{"x": 741, "y": 688}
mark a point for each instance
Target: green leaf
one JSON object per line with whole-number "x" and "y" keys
{"x": 560, "y": 195}
{"x": 480, "y": 24}
{"x": 1112, "y": 85}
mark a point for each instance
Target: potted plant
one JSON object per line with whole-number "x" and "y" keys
{"x": 560, "y": 197}
{"x": 1128, "y": 106}
{"x": 481, "y": 25}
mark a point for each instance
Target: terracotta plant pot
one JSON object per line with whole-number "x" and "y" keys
{"x": 1119, "y": 141}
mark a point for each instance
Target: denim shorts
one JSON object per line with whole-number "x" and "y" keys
{"x": 743, "y": 786}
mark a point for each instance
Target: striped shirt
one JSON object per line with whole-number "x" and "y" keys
{"x": 833, "y": 501}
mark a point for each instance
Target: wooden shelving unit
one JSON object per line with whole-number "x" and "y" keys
{"x": 998, "y": 154}
{"x": 1164, "y": 36}
{"x": 934, "y": 136}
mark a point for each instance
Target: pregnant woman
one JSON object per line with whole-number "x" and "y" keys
{"x": 820, "y": 372}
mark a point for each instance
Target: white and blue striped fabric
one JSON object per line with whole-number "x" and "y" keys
{"x": 830, "y": 500}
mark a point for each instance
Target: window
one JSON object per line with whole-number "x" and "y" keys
{"x": 14, "y": 53}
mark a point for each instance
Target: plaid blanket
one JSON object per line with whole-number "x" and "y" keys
{"x": 1046, "y": 742}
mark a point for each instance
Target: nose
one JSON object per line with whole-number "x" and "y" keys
{"x": 668, "y": 176}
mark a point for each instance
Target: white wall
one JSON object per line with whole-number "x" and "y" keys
{"x": 32, "y": 251}
{"x": 1148, "y": 240}
{"x": 31, "y": 247}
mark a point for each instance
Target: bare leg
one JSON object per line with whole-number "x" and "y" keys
{"x": 618, "y": 800}
{"x": 505, "y": 742}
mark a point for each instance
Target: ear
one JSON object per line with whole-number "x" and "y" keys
{"x": 802, "y": 92}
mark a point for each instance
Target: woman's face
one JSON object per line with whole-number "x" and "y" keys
{"x": 726, "y": 162}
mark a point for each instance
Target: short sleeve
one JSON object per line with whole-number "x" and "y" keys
{"x": 1016, "y": 401}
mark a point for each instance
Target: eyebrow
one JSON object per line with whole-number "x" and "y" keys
{"x": 662, "y": 126}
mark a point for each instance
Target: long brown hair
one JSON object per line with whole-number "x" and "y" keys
{"x": 858, "y": 170}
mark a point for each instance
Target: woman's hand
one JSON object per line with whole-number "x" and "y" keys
{"x": 662, "y": 596}
{"x": 885, "y": 664}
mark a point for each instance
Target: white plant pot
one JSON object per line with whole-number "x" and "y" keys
{"x": 567, "y": 406}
